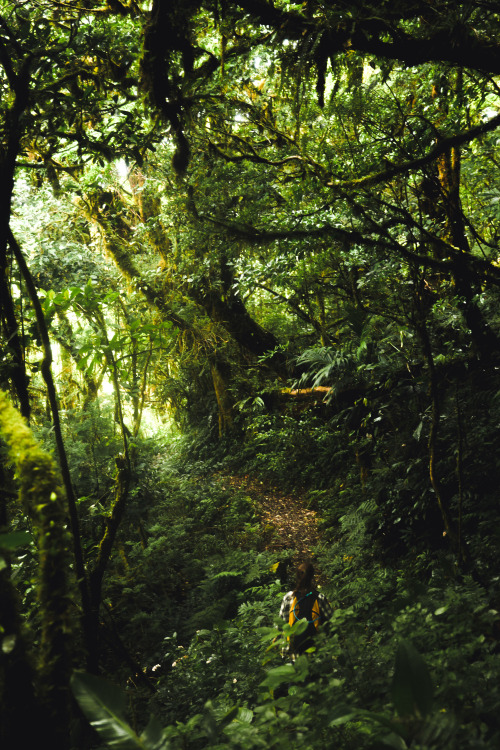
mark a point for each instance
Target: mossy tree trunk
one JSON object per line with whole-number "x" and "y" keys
{"x": 225, "y": 401}
{"x": 19, "y": 89}
{"x": 43, "y": 500}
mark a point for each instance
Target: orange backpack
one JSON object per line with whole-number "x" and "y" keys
{"x": 306, "y": 607}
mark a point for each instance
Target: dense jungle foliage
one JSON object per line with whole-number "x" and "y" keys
{"x": 249, "y": 243}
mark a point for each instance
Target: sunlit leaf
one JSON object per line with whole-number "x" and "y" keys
{"x": 15, "y": 539}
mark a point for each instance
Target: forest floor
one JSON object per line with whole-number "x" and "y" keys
{"x": 289, "y": 526}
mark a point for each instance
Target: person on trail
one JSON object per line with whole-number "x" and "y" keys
{"x": 305, "y": 601}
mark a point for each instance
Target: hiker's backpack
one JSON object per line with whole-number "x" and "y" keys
{"x": 305, "y": 607}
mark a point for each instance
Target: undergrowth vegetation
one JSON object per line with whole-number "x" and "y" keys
{"x": 410, "y": 658}
{"x": 190, "y": 623}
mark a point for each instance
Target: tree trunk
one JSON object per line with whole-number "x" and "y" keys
{"x": 225, "y": 401}
{"x": 17, "y": 676}
{"x": 485, "y": 341}
{"x": 225, "y": 306}
{"x": 42, "y": 497}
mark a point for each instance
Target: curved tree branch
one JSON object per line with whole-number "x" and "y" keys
{"x": 253, "y": 234}
{"x": 436, "y": 38}
{"x": 440, "y": 148}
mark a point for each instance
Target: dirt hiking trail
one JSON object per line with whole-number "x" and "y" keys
{"x": 288, "y": 524}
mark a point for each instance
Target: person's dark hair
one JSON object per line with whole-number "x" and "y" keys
{"x": 305, "y": 576}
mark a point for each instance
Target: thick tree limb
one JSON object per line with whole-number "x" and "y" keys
{"x": 440, "y": 148}
{"x": 437, "y": 39}
{"x": 253, "y": 156}
{"x": 481, "y": 267}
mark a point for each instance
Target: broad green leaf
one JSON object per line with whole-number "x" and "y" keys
{"x": 411, "y": 685}
{"x": 15, "y": 539}
{"x": 343, "y": 714}
{"x": 279, "y": 675}
{"x": 268, "y": 634}
{"x": 230, "y": 716}
{"x": 245, "y": 715}
{"x": 440, "y": 611}
{"x": 418, "y": 431}
{"x": 296, "y": 629}
{"x": 153, "y": 735}
{"x": 104, "y": 706}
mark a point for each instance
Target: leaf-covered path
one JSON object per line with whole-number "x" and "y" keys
{"x": 288, "y": 525}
